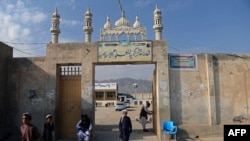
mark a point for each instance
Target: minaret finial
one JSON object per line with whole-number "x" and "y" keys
{"x": 56, "y": 11}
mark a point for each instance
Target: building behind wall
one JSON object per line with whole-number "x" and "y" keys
{"x": 141, "y": 98}
{"x": 106, "y": 94}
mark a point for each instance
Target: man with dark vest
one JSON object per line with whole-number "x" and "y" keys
{"x": 144, "y": 116}
{"x": 83, "y": 128}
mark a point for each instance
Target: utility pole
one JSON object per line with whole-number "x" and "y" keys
{"x": 135, "y": 87}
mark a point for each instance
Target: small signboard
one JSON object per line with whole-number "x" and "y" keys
{"x": 106, "y": 86}
{"x": 182, "y": 61}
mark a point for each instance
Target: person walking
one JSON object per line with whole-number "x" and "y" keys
{"x": 48, "y": 129}
{"x": 125, "y": 126}
{"x": 84, "y": 128}
{"x": 29, "y": 132}
{"x": 144, "y": 115}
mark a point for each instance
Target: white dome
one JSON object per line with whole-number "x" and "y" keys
{"x": 55, "y": 14}
{"x": 157, "y": 10}
{"x": 88, "y": 13}
{"x": 122, "y": 21}
{"x": 107, "y": 25}
{"x": 137, "y": 24}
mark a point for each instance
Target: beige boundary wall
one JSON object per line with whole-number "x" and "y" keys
{"x": 199, "y": 100}
{"x": 215, "y": 93}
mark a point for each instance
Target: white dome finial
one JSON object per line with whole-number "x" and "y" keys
{"x": 137, "y": 23}
{"x": 107, "y": 25}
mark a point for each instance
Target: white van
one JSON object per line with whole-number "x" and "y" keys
{"x": 120, "y": 106}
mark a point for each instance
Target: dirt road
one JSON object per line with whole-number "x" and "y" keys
{"x": 106, "y": 125}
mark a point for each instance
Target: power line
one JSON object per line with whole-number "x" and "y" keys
{"x": 21, "y": 43}
{"x": 26, "y": 44}
{"x": 27, "y": 53}
{"x": 24, "y": 49}
{"x": 33, "y": 48}
{"x": 198, "y": 48}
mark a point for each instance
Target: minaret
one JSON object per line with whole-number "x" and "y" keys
{"x": 55, "y": 30}
{"x": 158, "y": 27}
{"x": 87, "y": 28}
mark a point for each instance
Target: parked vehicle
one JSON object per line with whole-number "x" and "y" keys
{"x": 120, "y": 106}
{"x": 127, "y": 103}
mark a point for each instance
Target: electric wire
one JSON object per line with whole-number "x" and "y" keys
{"x": 185, "y": 47}
{"x": 22, "y": 43}
{"x": 174, "y": 45}
{"x": 27, "y": 53}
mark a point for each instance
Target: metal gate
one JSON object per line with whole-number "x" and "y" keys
{"x": 69, "y": 100}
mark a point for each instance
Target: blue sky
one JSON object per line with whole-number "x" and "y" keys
{"x": 190, "y": 26}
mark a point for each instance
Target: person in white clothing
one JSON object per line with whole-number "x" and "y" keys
{"x": 144, "y": 116}
{"x": 84, "y": 128}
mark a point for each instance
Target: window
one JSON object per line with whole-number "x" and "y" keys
{"x": 99, "y": 96}
{"x": 70, "y": 70}
{"x": 111, "y": 96}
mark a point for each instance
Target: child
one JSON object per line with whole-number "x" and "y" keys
{"x": 48, "y": 128}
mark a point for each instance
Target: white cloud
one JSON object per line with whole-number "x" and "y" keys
{"x": 25, "y": 32}
{"x": 9, "y": 7}
{"x": 12, "y": 31}
{"x": 70, "y": 22}
{"x": 70, "y": 3}
{"x": 176, "y": 5}
{"x": 17, "y": 22}
{"x": 26, "y": 14}
{"x": 38, "y": 17}
{"x": 34, "y": 17}
{"x": 143, "y": 3}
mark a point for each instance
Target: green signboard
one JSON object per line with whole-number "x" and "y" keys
{"x": 124, "y": 51}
